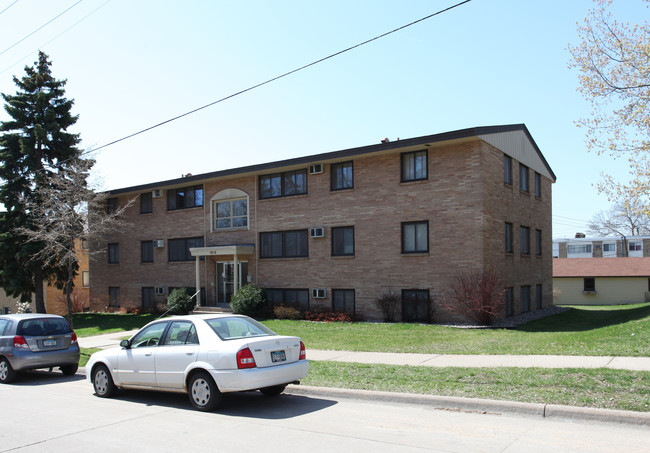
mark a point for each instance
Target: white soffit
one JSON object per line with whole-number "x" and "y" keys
{"x": 516, "y": 145}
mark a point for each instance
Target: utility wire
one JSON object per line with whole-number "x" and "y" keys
{"x": 277, "y": 77}
{"x": 262, "y": 83}
{"x": 15, "y": 1}
{"x": 46, "y": 23}
{"x": 64, "y": 31}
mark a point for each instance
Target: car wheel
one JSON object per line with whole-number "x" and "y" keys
{"x": 69, "y": 370}
{"x": 203, "y": 392}
{"x": 273, "y": 391}
{"x": 103, "y": 382}
{"x": 7, "y": 374}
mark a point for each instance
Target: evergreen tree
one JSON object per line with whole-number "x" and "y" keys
{"x": 34, "y": 144}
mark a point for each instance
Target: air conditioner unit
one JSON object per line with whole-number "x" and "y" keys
{"x": 156, "y": 193}
{"x": 158, "y": 243}
{"x": 317, "y": 232}
{"x": 318, "y": 293}
{"x": 315, "y": 169}
{"x": 160, "y": 290}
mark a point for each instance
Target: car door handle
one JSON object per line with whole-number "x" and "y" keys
{"x": 147, "y": 354}
{"x": 189, "y": 353}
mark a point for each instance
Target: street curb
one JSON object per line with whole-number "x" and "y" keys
{"x": 480, "y": 406}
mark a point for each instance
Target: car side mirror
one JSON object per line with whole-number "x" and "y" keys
{"x": 125, "y": 344}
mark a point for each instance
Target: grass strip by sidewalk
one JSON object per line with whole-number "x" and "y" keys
{"x": 596, "y": 388}
{"x": 593, "y": 331}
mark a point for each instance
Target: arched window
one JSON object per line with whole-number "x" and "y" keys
{"x": 229, "y": 210}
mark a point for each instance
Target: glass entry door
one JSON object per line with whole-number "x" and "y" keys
{"x": 226, "y": 280}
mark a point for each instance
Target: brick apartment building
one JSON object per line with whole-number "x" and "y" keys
{"x": 334, "y": 231}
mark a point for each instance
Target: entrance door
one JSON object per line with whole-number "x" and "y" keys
{"x": 226, "y": 280}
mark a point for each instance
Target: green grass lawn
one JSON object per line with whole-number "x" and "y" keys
{"x": 88, "y": 324}
{"x": 597, "y": 388}
{"x": 619, "y": 331}
{"x": 594, "y": 331}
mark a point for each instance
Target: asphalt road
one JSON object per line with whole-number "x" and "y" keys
{"x": 46, "y": 412}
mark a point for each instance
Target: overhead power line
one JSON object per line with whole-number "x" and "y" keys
{"x": 46, "y": 23}
{"x": 277, "y": 77}
{"x": 12, "y": 4}
{"x": 64, "y": 31}
{"x": 266, "y": 81}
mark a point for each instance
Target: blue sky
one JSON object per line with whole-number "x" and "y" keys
{"x": 132, "y": 64}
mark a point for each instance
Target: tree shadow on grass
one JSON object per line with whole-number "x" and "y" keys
{"x": 579, "y": 319}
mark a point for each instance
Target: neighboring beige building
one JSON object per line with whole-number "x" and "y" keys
{"x": 594, "y": 281}
{"x": 55, "y": 300}
{"x": 334, "y": 231}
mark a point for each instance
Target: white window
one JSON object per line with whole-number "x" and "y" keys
{"x": 609, "y": 249}
{"x": 635, "y": 248}
{"x": 576, "y": 249}
{"x": 229, "y": 210}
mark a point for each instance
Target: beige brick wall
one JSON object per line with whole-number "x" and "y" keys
{"x": 464, "y": 200}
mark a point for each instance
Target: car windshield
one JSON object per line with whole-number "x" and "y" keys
{"x": 43, "y": 326}
{"x": 236, "y": 327}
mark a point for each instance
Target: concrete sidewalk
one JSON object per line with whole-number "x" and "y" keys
{"x": 435, "y": 360}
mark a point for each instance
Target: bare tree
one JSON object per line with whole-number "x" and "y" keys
{"x": 59, "y": 213}
{"x": 478, "y": 295}
{"x": 621, "y": 220}
{"x": 614, "y": 64}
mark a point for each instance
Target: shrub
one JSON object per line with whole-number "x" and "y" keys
{"x": 282, "y": 312}
{"x": 250, "y": 300}
{"x": 389, "y": 303}
{"x": 328, "y": 316}
{"x": 477, "y": 295}
{"x": 180, "y": 302}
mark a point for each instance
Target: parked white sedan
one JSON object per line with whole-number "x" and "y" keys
{"x": 202, "y": 355}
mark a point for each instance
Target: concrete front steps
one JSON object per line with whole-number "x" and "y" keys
{"x": 211, "y": 310}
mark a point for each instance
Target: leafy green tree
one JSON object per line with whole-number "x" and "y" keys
{"x": 34, "y": 144}
{"x": 613, "y": 59}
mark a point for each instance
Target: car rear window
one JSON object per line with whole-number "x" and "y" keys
{"x": 43, "y": 326}
{"x": 235, "y": 327}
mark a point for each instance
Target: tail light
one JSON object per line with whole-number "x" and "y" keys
{"x": 19, "y": 342}
{"x": 303, "y": 351}
{"x": 74, "y": 338}
{"x": 245, "y": 359}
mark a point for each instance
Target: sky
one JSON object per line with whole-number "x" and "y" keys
{"x": 132, "y": 64}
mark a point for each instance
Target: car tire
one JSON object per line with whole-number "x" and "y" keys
{"x": 7, "y": 374}
{"x": 103, "y": 382}
{"x": 274, "y": 390}
{"x": 203, "y": 392}
{"x": 69, "y": 370}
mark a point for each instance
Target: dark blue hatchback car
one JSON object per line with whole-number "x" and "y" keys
{"x": 32, "y": 341}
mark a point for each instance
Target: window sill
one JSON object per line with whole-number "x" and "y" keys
{"x": 281, "y": 197}
{"x": 344, "y": 257}
{"x": 184, "y": 209}
{"x": 284, "y": 258}
{"x": 228, "y": 230}
{"x": 415, "y": 254}
{"x": 414, "y": 181}
{"x": 589, "y": 293}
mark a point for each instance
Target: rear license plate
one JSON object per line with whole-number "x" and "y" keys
{"x": 278, "y": 356}
{"x": 49, "y": 343}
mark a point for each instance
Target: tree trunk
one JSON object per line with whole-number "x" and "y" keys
{"x": 39, "y": 297}
{"x": 68, "y": 291}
